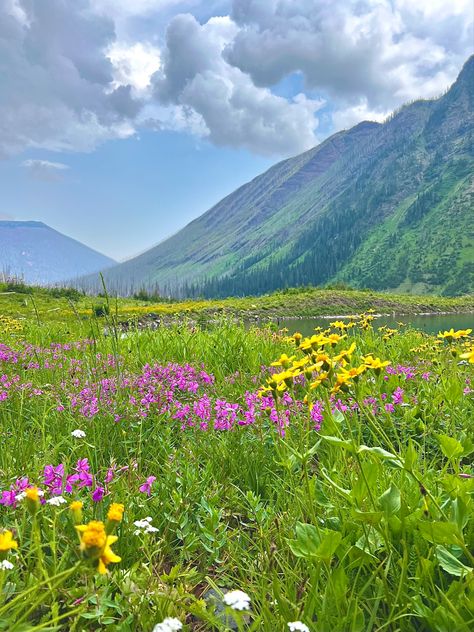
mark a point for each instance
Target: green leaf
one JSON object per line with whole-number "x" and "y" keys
{"x": 346, "y": 445}
{"x": 411, "y": 456}
{"x": 451, "y": 447}
{"x": 441, "y": 532}
{"x": 450, "y": 564}
{"x": 307, "y": 540}
{"x": 328, "y": 545}
{"x": 381, "y": 453}
{"x": 390, "y": 500}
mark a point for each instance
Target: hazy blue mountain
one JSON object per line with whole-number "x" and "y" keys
{"x": 41, "y": 255}
{"x": 386, "y": 206}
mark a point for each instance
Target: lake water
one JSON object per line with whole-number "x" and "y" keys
{"x": 429, "y": 324}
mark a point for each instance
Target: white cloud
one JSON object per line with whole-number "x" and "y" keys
{"x": 45, "y": 169}
{"x": 235, "y": 112}
{"x": 376, "y": 52}
{"x": 57, "y": 89}
{"x": 134, "y": 64}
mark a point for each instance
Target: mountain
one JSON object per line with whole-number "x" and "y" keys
{"x": 383, "y": 206}
{"x": 41, "y": 255}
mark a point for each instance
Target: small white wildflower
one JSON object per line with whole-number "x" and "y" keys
{"x": 170, "y": 624}
{"x": 237, "y": 599}
{"x": 298, "y": 626}
{"x": 144, "y": 526}
{"x": 20, "y": 496}
{"x": 56, "y": 501}
{"x": 78, "y": 434}
{"x": 5, "y": 565}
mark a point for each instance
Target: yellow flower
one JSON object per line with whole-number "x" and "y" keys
{"x": 345, "y": 353}
{"x": 454, "y": 335}
{"x": 284, "y": 361}
{"x": 115, "y": 512}
{"x": 32, "y": 499}
{"x": 374, "y": 363}
{"x": 32, "y": 493}
{"x": 95, "y": 544}
{"x": 7, "y": 542}
{"x": 93, "y": 537}
{"x": 108, "y": 556}
{"x": 333, "y": 339}
{"x": 319, "y": 380}
{"x": 76, "y": 510}
{"x": 469, "y": 355}
{"x": 339, "y": 324}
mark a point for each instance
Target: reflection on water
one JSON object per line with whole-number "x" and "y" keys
{"x": 430, "y": 324}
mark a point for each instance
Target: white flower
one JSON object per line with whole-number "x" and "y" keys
{"x": 297, "y": 626}
{"x": 5, "y": 565}
{"x": 237, "y": 599}
{"x": 144, "y": 526}
{"x": 78, "y": 434}
{"x": 56, "y": 501}
{"x": 170, "y": 624}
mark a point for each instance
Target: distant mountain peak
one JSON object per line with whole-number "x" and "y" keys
{"x": 38, "y": 254}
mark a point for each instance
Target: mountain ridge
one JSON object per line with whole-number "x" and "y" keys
{"x": 306, "y": 219}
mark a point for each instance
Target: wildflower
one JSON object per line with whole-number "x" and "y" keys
{"x": 98, "y": 494}
{"x": 76, "y": 510}
{"x": 397, "y": 396}
{"x": 469, "y": 355}
{"x": 78, "y": 434}
{"x": 374, "y": 363}
{"x": 32, "y": 495}
{"x": 115, "y": 512}
{"x": 7, "y": 543}
{"x": 95, "y": 544}
{"x": 144, "y": 526}
{"x": 170, "y": 624}
{"x": 146, "y": 487}
{"x": 5, "y": 565}
{"x": 284, "y": 361}
{"x": 451, "y": 335}
{"x": 237, "y": 600}
{"x": 56, "y": 501}
{"x": 298, "y": 626}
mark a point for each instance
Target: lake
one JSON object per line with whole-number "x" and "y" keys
{"x": 430, "y": 324}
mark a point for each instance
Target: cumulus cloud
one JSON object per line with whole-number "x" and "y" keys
{"x": 195, "y": 76}
{"x": 57, "y": 90}
{"x": 75, "y": 74}
{"x": 45, "y": 169}
{"x": 372, "y": 53}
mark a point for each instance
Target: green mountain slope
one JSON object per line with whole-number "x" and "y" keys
{"x": 381, "y": 206}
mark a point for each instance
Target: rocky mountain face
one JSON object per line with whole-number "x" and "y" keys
{"x": 384, "y": 206}
{"x": 40, "y": 255}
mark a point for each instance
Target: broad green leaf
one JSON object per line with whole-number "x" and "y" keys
{"x": 450, "y": 564}
{"x": 390, "y": 500}
{"x": 329, "y": 544}
{"x": 307, "y": 540}
{"x": 441, "y": 532}
{"x": 451, "y": 447}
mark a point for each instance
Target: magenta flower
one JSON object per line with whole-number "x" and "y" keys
{"x": 98, "y": 494}
{"x": 146, "y": 487}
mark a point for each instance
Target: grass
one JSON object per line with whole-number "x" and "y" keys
{"x": 356, "y": 516}
{"x": 44, "y": 306}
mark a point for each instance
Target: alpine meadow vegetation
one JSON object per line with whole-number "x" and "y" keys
{"x": 216, "y": 476}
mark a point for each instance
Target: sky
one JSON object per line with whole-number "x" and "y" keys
{"x": 121, "y": 121}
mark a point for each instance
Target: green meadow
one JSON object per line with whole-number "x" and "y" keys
{"x": 148, "y": 474}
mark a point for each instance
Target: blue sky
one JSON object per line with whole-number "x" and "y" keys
{"x": 121, "y": 121}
